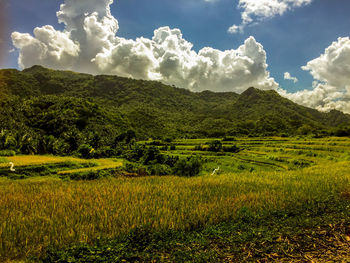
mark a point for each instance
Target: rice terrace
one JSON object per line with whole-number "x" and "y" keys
{"x": 274, "y": 199}
{"x": 180, "y": 131}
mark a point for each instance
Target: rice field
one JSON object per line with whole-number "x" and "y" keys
{"x": 61, "y": 165}
{"x": 268, "y": 154}
{"x": 265, "y": 176}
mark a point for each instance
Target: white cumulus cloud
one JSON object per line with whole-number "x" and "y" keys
{"x": 254, "y": 11}
{"x": 89, "y": 43}
{"x": 288, "y": 76}
{"x": 331, "y": 71}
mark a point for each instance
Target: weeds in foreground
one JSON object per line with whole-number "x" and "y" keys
{"x": 37, "y": 214}
{"x": 250, "y": 237}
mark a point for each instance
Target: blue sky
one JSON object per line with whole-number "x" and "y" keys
{"x": 290, "y": 40}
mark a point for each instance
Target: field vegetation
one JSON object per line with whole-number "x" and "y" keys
{"x": 272, "y": 199}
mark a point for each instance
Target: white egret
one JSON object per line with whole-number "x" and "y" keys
{"x": 215, "y": 170}
{"x": 11, "y": 168}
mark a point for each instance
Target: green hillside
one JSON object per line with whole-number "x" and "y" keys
{"x": 68, "y": 106}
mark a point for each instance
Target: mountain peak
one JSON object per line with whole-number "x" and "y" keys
{"x": 253, "y": 94}
{"x": 251, "y": 90}
{"x": 35, "y": 68}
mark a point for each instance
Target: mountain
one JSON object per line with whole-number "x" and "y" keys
{"x": 86, "y": 103}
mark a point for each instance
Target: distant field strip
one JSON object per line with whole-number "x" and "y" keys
{"x": 35, "y": 160}
{"x": 271, "y": 153}
{"x": 101, "y": 164}
{"x": 24, "y": 160}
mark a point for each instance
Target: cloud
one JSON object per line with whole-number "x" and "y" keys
{"x": 89, "y": 43}
{"x": 48, "y": 47}
{"x": 333, "y": 67}
{"x": 331, "y": 71}
{"x": 254, "y": 11}
{"x": 287, "y": 76}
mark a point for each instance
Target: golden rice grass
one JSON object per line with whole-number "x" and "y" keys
{"x": 24, "y": 160}
{"x": 101, "y": 164}
{"x": 39, "y": 212}
{"x": 36, "y": 214}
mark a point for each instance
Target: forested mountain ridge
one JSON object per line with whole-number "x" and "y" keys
{"x": 114, "y": 104}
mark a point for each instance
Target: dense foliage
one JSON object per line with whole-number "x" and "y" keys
{"x": 62, "y": 112}
{"x": 149, "y": 160}
{"x": 58, "y": 125}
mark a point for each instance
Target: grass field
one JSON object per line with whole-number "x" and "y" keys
{"x": 268, "y": 154}
{"x": 278, "y": 199}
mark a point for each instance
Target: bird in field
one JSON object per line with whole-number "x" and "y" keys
{"x": 11, "y": 168}
{"x": 215, "y": 170}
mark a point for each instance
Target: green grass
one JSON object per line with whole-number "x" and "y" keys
{"x": 39, "y": 165}
{"x": 3, "y": 160}
{"x": 263, "y": 204}
{"x": 23, "y": 172}
{"x": 268, "y": 154}
{"x": 250, "y": 237}
{"x": 37, "y": 215}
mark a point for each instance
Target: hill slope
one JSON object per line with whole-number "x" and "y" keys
{"x": 153, "y": 109}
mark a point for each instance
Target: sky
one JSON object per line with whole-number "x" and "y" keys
{"x": 300, "y": 48}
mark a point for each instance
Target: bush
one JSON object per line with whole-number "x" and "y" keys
{"x": 231, "y": 149}
{"x": 135, "y": 153}
{"x": 191, "y": 166}
{"x": 342, "y": 132}
{"x": 164, "y": 148}
{"x": 152, "y": 155}
{"x": 171, "y": 160}
{"x": 104, "y": 151}
{"x": 132, "y": 167}
{"x": 168, "y": 140}
{"x": 7, "y": 153}
{"x": 85, "y": 151}
{"x": 301, "y": 163}
{"x": 159, "y": 169}
{"x": 215, "y": 146}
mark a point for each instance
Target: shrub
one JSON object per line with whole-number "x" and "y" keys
{"x": 171, "y": 160}
{"x": 168, "y": 140}
{"x": 231, "y": 149}
{"x": 164, "y": 148}
{"x": 131, "y": 167}
{"x": 159, "y": 169}
{"x": 152, "y": 155}
{"x": 7, "y": 153}
{"x": 301, "y": 163}
{"x": 241, "y": 167}
{"x": 104, "y": 151}
{"x": 215, "y": 146}
{"x": 191, "y": 166}
{"x": 135, "y": 153}
{"x": 85, "y": 151}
